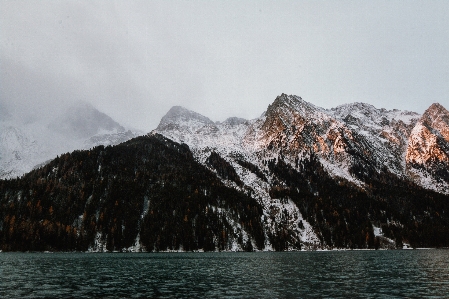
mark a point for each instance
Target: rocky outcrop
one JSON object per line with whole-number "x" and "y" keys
{"x": 353, "y": 141}
{"x": 427, "y": 154}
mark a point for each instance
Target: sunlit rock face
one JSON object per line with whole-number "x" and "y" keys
{"x": 353, "y": 141}
{"x": 427, "y": 154}
{"x": 386, "y": 131}
{"x": 294, "y": 128}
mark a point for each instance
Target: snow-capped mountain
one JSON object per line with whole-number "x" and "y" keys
{"x": 427, "y": 155}
{"x": 27, "y": 143}
{"x": 17, "y": 151}
{"x": 353, "y": 142}
{"x": 232, "y": 141}
{"x": 83, "y": 121}
{"x": 298, "y": 177}
{"x": 386, "y": 132}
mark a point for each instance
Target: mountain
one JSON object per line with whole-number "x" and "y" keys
{"x": 17, "y": 151}
{"x": 145, "y": 194}
{"x": 354, "y": 144}
{"x": 27, "y": 143}
{"x": 299, "y": 177}
{"x": 82, "y": 120}
{"x": 352, "y": 141}
{"x": 427, "y": 154}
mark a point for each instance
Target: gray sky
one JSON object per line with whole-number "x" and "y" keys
{"x": 135, "y": 59}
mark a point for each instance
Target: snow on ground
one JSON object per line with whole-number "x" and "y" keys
{"x": 26, "y": 144}
{"x": 340, "y": 171}
{"x": 99, "y": 244}
{"x": 424, "y": 179}
{"x": 286, "y": 212}
{"x": 137, "y": 246}
{"x": 379, "y": 234}
{"x": 228, "y": 141}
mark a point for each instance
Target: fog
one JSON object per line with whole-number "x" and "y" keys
{"x": 133, "y": 60}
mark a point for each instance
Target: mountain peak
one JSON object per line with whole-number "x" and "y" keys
{"x": 178, "y": 115}
{"x": 437, "y": 117}
{"x": 437, "y": 106}
{"x": 435, "y": 111}
{"x": 82, "y": 120}
{"x": 23, "y": 145}
{"x": 288, "y": 100}
{"x": 177, "y": 110}
{"x": 289, "y": 104}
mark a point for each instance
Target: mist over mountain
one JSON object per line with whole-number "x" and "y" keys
{"x": 28, "y": 141}
{"x": 82, "y": 120}
{"x": 4, "y": 113}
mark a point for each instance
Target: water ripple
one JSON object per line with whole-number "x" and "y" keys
{"x": 355, "y": 274}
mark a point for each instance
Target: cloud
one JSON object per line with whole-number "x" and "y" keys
{"x": 135, "y": 59}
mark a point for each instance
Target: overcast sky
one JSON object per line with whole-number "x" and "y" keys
{"x": 134, "y": 60}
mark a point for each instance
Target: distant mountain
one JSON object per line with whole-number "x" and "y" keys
{"x": 17, "y": 151}
{"x": 28, "y": 143}
{"x": 180, "y": 118}
{"x": 82, "y": 120}
{"x": 298, "y": 177}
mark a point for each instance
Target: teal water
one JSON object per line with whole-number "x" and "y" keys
{"x": 342, "y": 274}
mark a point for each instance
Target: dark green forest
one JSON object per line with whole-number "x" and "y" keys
{"x": 152, "y": 189}
{"x": 344, "y": 213}
{"x": 149, "y": 186}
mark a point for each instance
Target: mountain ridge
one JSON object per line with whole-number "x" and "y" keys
{"x": 27, "y": 143}
{"x": 299, "y": 177}
{"x": 344, "y": 136}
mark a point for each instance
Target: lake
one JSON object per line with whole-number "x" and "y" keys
{"x": 318, "y": 274}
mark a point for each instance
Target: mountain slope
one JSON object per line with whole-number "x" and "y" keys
{"x": 28, "y": 143}
{"x": 149, "y": 194}
{"x": 145, "y": 194}
{"x": 353, "y": 141}
{"x": 387, "y": 132}
{"x": 298, "y": 177}
{"x": 17, "y": 150}
{"x": 356, "y": 145}
{"x": 221, "y": 147}
{"x": 427, "y": 154}
{"x": 82, "y": 120}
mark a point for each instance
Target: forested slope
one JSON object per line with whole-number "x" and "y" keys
{"x": 147, "y": 193}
